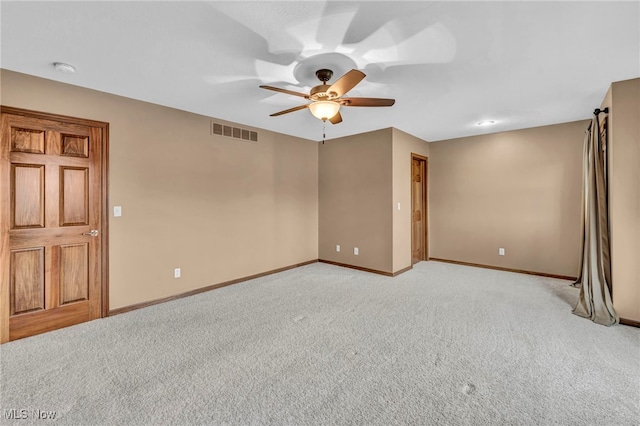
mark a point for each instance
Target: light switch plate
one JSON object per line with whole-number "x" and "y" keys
{"x": 337, "y": 247}
{"x": 117, "y": 211}
{"x": 177, "y": 273}
{"x": 355, "y": 251}
{"x": 501, "y": 251}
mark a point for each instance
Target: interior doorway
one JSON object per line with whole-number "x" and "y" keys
{"x": 53, "y": 222}
{"x": 419, "y": 217}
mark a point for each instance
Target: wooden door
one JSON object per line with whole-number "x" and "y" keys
{"x": 51, "y": 196}
{"x": 418, "y": 208}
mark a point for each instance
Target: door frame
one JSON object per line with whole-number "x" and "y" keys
{"x": 425, "y": 204}
{"x": 4, "y": 212}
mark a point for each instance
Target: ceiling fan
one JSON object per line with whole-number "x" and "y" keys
{"x": 326, "y": 99}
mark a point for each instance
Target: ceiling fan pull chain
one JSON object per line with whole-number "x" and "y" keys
{"x": 324, "y": 126}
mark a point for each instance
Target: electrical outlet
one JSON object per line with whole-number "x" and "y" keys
{"x": 355, "y": 251}
{"x": 337, "y": 247}
{"x": 176, "y": 273}
{"x": 501, "y": 251}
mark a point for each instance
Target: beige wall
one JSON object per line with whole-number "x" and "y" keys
{"x": 355, "y": 193}
{"x": 623, "y": 100}
{"x": 520, "y": 190}
{"x": 218, "y": 208}
{"x": 404, "y": 145}
{"x": 362, "y": 179}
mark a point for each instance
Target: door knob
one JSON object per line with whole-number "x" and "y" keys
{"x": 93, "y": 233}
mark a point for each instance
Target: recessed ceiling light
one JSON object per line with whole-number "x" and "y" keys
{"x": 485, "y": 123}
{"x": 62, "y": 67}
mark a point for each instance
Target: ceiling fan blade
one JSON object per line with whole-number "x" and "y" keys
{"x": 286, "y": 111}
{"x": 288, "y": 92}
{"x": 367, "y": 102}
{"x": 346, "y": 82}
{"x": 336, "y": 118}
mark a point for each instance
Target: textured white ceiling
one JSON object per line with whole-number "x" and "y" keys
{"x": 449, "y": 65}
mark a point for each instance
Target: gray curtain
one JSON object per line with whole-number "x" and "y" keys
{"x": 594, "y": 275}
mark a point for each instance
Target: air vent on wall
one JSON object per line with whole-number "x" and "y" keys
{"x": 233, "y": 132}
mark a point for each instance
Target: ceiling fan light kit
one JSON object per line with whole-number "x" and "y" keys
{"x": 326, "y": 100}
{"x": 324, "y": 109}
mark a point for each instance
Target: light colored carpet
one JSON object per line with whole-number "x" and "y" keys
{"x": 440, "y": 345}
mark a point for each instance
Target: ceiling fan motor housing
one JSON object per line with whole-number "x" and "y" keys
{"x": 320, "y": 93}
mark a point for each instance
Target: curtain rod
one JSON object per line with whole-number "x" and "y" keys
{"x": 598, "y": 111}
